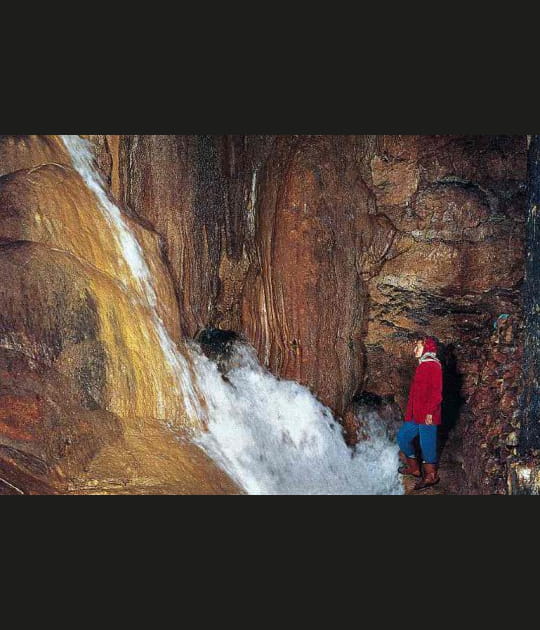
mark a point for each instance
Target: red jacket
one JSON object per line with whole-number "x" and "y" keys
{"x": 425, "y": 394}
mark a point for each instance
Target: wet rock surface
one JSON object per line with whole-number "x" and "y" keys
{"x": 60, "y": 310}
{"x": 199, "y": 192}
{"x": 48, "y": 431}
{"x": 305, "y": 301}
{"x": 27, "y": 152}
{"x": 269, "y": 236}
{"x": 84, "y": 379}
{"x": 327, "y": 252}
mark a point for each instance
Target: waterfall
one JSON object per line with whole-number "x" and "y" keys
{"x": 271, "y": 436}
{"x": 274, "y": 437}
{"x": 82, "y": 157}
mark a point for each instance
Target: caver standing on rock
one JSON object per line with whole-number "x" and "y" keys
{"x": 423, "y": 416}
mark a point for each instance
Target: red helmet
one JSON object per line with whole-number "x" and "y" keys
{"x": 430, "y": 345}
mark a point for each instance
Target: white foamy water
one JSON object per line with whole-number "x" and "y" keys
{"x": 82, "y": 157}
{"x": 274, "y": 437}
{"x": 271, "y": 436}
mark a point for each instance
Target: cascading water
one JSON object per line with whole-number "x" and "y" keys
{"x": 82, "y": 157}
{"x": 274, "y": 437}
{"x": 271, "y": 436}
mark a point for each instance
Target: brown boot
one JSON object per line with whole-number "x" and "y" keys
{"x": 429, "y": 477}
{"x": 410, "y": 465}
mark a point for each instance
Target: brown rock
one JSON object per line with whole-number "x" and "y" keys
{"x": 307, "y": 199}
{"x": 489, "y": 371}
{"x": 499, "y": 356}
{"x": 50, "y": 442}
{"x": 395, "y": 181}
{"x": 352, "y": 428}
{"x": 48, "y": 430}
{"x": 508, "y": 401}
{"x": 512, "y": 371}
{"x": 304, "y": 302}
{"x": 27, "y": 152}
{"x": 482, "y": 398}
{"x": 328, "y": 253}
{"x": 200, "y": 193}
{"x": 85, "y": 384}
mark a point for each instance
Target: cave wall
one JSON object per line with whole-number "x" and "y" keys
{"x": 456, "y": 263}
{"x": 198, "y": 193}
{"x": 329, "y": 252}
{"x": 485, "y": 440}
{"x": 524, "y": 465}
{"x": 271, "y": 236}
{"x": 326, "y": 252}
{"x": 83, "y": 381}
{"x": 317, "y": 237}
{"x": 456, "y": 273}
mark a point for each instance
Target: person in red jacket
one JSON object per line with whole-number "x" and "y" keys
{"x": 423, "y": 416}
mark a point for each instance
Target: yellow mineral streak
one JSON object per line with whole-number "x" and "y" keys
{"x": 49, "y": 204}
{"x": 137, "y": 381}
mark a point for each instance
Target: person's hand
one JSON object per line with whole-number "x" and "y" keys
{"x": 429, "y": 419}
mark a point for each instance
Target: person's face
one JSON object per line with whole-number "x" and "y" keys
{"x": 419, "y": 349}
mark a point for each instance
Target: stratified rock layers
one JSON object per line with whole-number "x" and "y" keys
{"x": 456, "y": 263}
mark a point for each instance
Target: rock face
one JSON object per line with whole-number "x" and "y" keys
{"x": 199, "y": 194}
{"x": 457, "y": 260}
{"x": 342, "y": 248}
{"x": 365, "y": 405}
{"x": 48, "y": 432}
{"x": 271, "y": 237}
{"x": 26, "y": 152}
{"x": 331, "y": 251}
{"x": 327, "y": 253}
{"x": 318, "y": 238}
{"x": 69, "y": 250}
{"x": 530, "y": 404}
{"x": 486, "y": 436}
{"x": 74, "y": 323}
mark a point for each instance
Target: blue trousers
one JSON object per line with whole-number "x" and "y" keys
{"x": 428, "y": 440}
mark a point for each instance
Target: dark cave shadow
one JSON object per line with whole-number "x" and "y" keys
{"x": 452, "y": 396}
